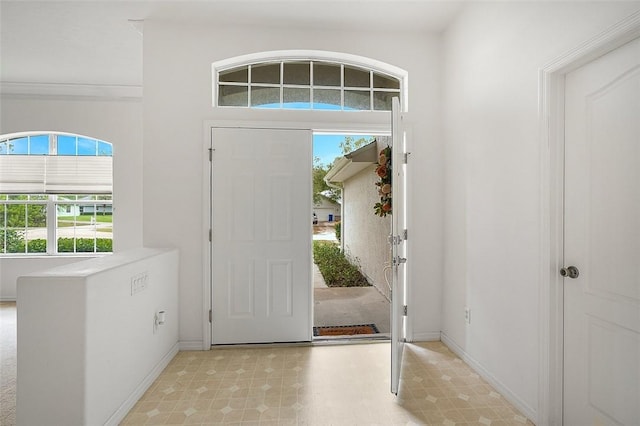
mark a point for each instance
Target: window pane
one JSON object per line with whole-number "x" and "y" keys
{"x": 269, "y": 73}
{"x": 14, "y": 240}
{"x": 4, "y": 147}
{"x": 36, "y": 215}
{"x": 327, "y": 99}
{"x": 297, "y": 98}
{"x": 87, "y": 146}
{"x": 233, "y": 96}
{"x": 326, "y": 74}
{"x": 236, "y": 75}
{"x": 359, "y": 100}
{"x": 382, "y": 100}
{"x": 381, "y": 81}
{"x": 105, "y": 148}
{"x": 36, "y": 232}
{"x": 19, "y": 146}
{"x": 84, "y": 228}
{"x": 66, "y": 145}
{"x": 39, "y": 145}
{"x": 297, "y": 73}
{"x": 354, "y": 77}
{"x": 266, "y": 97}
{"x": 16, "y": 215}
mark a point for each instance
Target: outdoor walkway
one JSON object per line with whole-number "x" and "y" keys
{"x": 349, "y": 305}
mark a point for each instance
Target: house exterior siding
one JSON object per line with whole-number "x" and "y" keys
{"x": 364, "y": 233}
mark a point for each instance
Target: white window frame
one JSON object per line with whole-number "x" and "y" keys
{"x": 282, "y": 56}
{"x": 52, "y": 199}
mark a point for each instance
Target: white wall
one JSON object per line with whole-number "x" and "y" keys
{"x": 365, "y": 235}
{"x": 177, "y": 102}
{"x": 116, "y": 121}
{"x": 492, "y": 55}
{"x": 84, "y": 336}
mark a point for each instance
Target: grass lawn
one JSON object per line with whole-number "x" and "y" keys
{"x": 86, "y": 218}
{"x": 336, "y": 269}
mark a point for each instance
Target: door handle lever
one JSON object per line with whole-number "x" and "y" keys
{"x": 571, "y": 272}
{"x": 399, "y": 260}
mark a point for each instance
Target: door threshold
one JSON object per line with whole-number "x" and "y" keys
{"x": 352, "y": 339}
{"x": 317, "y": 341}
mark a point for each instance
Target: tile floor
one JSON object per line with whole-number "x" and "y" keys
{"x": 321, "y": 385}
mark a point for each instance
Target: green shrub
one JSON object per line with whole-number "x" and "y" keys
{"x": 85, "y": 245}
{"x": 338, "y": 228}
{"x": 14, "y": 241}
{"x": 37, "y": 246}
{"x": 335, "y": 267}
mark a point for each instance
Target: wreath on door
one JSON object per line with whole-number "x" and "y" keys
{"x": 383, "y": 171}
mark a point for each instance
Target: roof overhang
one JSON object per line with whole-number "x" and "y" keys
{"x": 353, "y": 163}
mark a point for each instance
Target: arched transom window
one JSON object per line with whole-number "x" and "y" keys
{"x": 306, "y": 84}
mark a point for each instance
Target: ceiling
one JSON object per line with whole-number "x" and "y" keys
{"x": 95, "y": 42}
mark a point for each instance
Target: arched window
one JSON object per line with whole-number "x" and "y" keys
{"x": 56, "y": 194}
{"x": 307, "y": 80}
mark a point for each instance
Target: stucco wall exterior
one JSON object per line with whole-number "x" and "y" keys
{"x": 365, "y": 234}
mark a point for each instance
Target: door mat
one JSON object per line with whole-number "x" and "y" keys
{"x": 345, "y": 330}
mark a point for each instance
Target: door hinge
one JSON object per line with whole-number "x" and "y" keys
{"x": 210, "y": 154}
{"x": 210, "y": 316}
{"x": 405, "y": 234}
{"x": 404, "y": 311}
{"x": 405, "y": 157}
{"x": 210, "y": 235}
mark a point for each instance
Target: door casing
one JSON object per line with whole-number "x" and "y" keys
{"x": 551, "y": 120}
{"x": 380, "y": 127}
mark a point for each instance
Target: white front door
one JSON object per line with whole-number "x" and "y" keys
{"x": 602, "y": 241}
{"x": 398, "y": 245}
{"x": 261, "y": 235}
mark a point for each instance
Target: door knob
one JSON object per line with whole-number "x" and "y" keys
{"x": 571, "y": 272}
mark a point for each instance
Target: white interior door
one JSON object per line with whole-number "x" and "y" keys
{"x": 602, "y": 240}
{"x": 398, "y": 245}
{"x": 261, "y": 235}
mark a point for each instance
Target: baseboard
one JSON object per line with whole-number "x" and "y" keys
{"x": 427, "y": 336}
{"x": 7, "y": 299}
{"x": 128, "y": 404}
{"x": 517, "y": 402}
{"x": 192, "y": 345}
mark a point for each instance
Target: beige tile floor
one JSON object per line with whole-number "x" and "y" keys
{"x": 321, "y": 385}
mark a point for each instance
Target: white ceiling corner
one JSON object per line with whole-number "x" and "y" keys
{"x": 80, "y": 44}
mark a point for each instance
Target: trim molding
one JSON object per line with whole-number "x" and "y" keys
{"x": 73, "y": 91}
{"x": 128, "y": 403}
{"x": 192, "y": 345}
{"x": 551, "y": 125}
{"x": 497, "y": 384}
{"x": 426, "y": 336}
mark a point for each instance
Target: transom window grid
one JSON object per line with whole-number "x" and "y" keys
{"x": 55, "y": 222}
{"x": 315, "y": 85}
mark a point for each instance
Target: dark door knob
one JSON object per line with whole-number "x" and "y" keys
{"x": 571, "y": 272}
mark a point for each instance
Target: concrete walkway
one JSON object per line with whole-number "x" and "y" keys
{"x": 348, "y": 305}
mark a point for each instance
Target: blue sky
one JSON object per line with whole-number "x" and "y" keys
{"x": 67, "y": 145}
{"x": 327, "y": 147}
